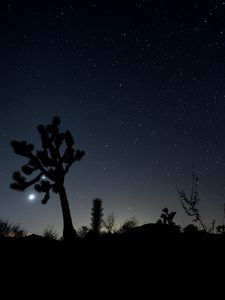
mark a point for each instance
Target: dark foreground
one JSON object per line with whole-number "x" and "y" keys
{"x": 131, "y": 247}
{"x": 117, "y": 266}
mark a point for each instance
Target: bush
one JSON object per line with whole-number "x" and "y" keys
{"x": 50, "y": 233}
{"x": 8, "y": 229}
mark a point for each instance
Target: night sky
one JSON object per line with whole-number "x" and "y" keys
{"x": 141, "y": 86}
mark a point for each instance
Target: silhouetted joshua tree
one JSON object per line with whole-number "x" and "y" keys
{"x": 53, "y": 162}
{"x": 190, "y": 205}
{"x": 96, "y": 216}
{"x": 167, "y": 217}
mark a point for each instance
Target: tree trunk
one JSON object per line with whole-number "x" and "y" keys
{"x": 69, "y": 232}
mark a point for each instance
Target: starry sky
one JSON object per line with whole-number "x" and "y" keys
{"x": 140, "y": 84}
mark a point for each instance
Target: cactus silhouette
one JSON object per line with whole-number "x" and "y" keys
{"x": 53, "y": 162}
{"x": 96, "y": 215}
{"x": 167, "y": 216}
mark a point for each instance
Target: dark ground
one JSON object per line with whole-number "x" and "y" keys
{"x": 115, "y": 265}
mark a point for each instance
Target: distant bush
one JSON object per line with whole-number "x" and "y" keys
{"x": 50, "y": 233}
{"x": 221, "y": 229}
{"x": 83, "y": 231}
{"x": 109, "y": 223}
{"x": 128, "y": 224}
{"x": 191, "y": 228}
{"x": 8, "y": 229}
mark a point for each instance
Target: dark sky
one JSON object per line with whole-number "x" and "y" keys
{"x": 140, "y": 84}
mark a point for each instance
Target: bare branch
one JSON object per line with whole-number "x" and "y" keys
{"x": 190, "y": 205}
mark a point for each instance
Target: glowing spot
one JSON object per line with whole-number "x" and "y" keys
{"x": 31, "y": 197}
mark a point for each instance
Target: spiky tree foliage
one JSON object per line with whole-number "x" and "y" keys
{"x": 96, "y": 215}
{"x": 53, "y": 161}
{"x": 190, "y": 205}
{"x": 167, "y": 216}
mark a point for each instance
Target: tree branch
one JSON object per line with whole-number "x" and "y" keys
{"x": 21, "y": 184}
{"x": 41, "y": 168}
{"x": 79, "y": 154}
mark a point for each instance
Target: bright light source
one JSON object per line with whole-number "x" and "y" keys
{"x": 31, "y": 197}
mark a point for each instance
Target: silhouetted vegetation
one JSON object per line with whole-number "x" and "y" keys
{"x": 109, "y": 223}
{"x": 167, "y": 217}
{"x": 8, "y": 229}
{"x": 221, "y": 228}
{"x": 190, "y": 229}
{"x": 190, "y": 205}
{"x": 128, "y": 224}
{"x": 53, "y": 162}
{"x": 83, "y": 231}
{"x": 96, "y": 216}
{"x": 46, "y": 170}
{"x": 50, "y": 233}
{"x": 211, "y": 228}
